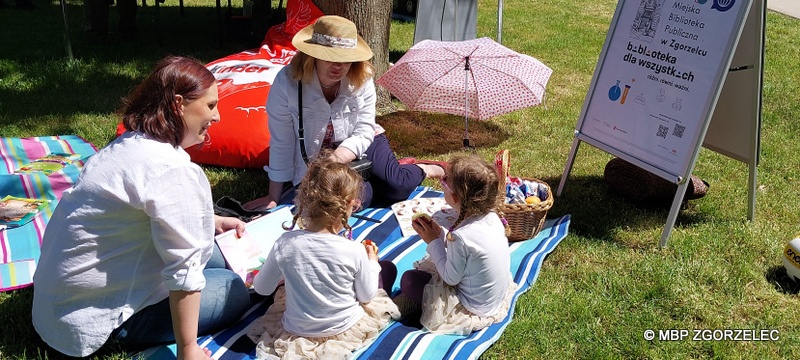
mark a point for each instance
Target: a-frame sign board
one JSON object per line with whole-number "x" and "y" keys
{"x": 675, "y": 75}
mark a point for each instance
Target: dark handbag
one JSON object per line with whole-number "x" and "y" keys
{"x": 362, "y": 166}
{"x": 227, "y": 206}
{"x": 646, "y": 189}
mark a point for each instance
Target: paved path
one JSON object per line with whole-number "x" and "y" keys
{"x": 788, "y": 7}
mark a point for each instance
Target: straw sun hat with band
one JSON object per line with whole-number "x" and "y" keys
{"x": 332, "y": 38}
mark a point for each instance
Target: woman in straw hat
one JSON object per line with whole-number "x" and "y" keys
{"x": 327, "y": 90}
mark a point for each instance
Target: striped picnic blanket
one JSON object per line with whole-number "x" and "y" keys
{"x": 19, "y": 247}
{"x": 397, "y": 341}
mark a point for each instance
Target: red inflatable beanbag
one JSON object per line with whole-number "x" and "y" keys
{"x": 241, "y": 138}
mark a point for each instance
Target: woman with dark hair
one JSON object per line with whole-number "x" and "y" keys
{"x": 328, "y": 92}
{"x": 131, "y": 245}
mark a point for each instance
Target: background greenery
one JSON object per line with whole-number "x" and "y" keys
{"x": 601, "y": 288}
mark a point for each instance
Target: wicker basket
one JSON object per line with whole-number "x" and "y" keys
{"x": 526, "y": 220}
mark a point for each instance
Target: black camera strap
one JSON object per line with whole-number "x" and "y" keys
{"x": 362, "y": 166}
{"x": 300, "y": 132}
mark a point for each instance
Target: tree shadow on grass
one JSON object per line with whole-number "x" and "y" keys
{"x": 420, "y": 134}
{"x": 41, "y": 89}
{"x": 19, "y": 336}
{"x": 242, "y": 185}
{"x": 39, "y": 34}
{"x": 18, "y": 332}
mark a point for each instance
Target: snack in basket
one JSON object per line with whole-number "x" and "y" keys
{"x": 526, "y": 201}
{"x": 518, "y": 191}
{"x": 532, "y": 200}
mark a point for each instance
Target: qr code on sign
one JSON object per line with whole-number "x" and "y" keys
{"x": 662, "y": 131}
{"x": 677, "y": 131}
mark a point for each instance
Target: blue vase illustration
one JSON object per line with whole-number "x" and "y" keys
{"x": 615, "y": 92}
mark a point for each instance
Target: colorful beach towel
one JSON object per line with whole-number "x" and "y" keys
{"x": 19, "y": 247}
{"x": 398, "y": 341}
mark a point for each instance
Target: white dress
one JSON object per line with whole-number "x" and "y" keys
{"x": 330, "y": 304}
{"x": 444, "y": 313}
{"x": 477, "y": 264}
{"x": 274, "y": 342}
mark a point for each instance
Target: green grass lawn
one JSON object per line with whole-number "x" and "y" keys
{"x": 602, "y": 287}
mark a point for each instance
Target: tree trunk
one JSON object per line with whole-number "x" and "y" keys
{"x": 373, "y": 20}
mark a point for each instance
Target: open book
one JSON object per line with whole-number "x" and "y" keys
{"x": 245, "y": 255}
{"x": 18, "y": 211}
{"x": 48, "y": 164}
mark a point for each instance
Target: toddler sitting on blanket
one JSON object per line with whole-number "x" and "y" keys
{"x": 464, "y": 283}
{"x": 332, "y": 301}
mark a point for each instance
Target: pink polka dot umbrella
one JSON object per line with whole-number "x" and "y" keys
{"x": 477, "y": 78}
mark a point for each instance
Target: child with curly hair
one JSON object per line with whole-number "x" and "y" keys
{"x": 332, "y": 301}
{"x": 464, "y": 284}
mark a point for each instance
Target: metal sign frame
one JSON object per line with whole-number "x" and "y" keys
{"x": 679, "y": 168}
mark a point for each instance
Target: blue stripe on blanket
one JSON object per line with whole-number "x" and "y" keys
{"x": 404, "y": 342}
{"x": 400, "y": 341}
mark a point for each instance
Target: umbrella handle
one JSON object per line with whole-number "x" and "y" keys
{"x": 467, "y": 145}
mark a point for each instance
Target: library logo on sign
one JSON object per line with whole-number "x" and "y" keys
{"x": 723, "y": 5}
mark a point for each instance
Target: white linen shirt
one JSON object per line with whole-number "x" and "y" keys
{"x": 326, "y": 276}
{"x": 137, "y": 224}
{"x": 477, "y": 262}
{"x": 352, "y": 114}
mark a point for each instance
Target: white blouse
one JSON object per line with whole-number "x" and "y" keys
{"x": 137, "y": 224}
{"x": 477, "y": 262}
{"x": 352, "y": 114}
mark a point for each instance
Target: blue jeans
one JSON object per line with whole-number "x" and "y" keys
{"x": 222, "y": 302}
